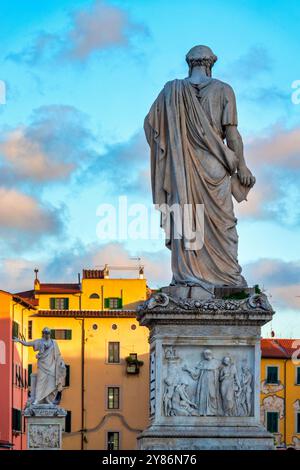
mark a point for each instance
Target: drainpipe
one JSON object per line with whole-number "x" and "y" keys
{"x": 285, "y": 410}
{"x": 82, "y": 382}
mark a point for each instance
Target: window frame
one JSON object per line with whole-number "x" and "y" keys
{"x": 297, "y": 372}
{"x": 16, "y": 416}
{"x": 278, "y": 374}
{"x": 68, "y": 332}
{"x": 52, "y": 301}
{"x": 108, "y": 353}
{"x": 113, "y": 387}
{"x": 107, "y": 440}
{"x": 278, "y": 419}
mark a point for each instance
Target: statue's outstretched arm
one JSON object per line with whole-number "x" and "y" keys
{"x": 25, "y": 343}
{"x": 235, "y": 143}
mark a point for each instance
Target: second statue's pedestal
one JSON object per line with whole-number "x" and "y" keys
{"x": 205, "y": 372}
{"x": 44, "y": 424}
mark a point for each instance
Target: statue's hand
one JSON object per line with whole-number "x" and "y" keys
{"x": 16, "y": 340}
{"x": 246, "y": 177}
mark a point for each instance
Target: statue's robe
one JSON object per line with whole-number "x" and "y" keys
{"x": 191, "y": 165}
{"x": 207, "y": 391}
{"x": 51, "y": 370}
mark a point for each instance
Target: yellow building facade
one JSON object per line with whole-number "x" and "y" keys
{"x": 280, "y": 390}
{"x": 106, "y": 353}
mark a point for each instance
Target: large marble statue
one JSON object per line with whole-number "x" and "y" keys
{"x": 51, "y": 368}
{"x": 186, "y": 128}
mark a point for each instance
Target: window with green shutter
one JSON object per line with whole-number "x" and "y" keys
{"x": 272, "y": 375}
{"x": 298, "y": 376}
{"x": 16, "y": 420}
{"x": 59, "y": 303}
{"x": 68, "y": 421}
{"x": 61, "y": 334}
{"x": 272, "y": 421}
{"x": 67, "y": 380}
{"x": 15, "y": 329}
{"x": 113, "y": 303}
{"x": 29, "y": 374}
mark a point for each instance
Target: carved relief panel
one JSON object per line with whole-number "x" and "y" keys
{"x": 208, "y": 381}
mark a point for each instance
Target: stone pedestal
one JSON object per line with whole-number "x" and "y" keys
{"x": 44, "y": 424}
{"x": 205, "y": 371}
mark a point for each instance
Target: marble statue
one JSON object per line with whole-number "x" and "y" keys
{"x": 167, "y": 396}
{"x": 206, "y": 373}
{"x": 181, "y": 402}
{"x": 51, "y": 368}
{"x": 246, "y": 390}
{"x": 197, "y": 159}
{"x": 229, "y": 387}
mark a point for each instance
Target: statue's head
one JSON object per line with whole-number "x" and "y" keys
{"x": 201, "y": 56}
{"x": 46, "y": 333}
{"x": 207, "y": 354}
{"x": 226, "y": 360}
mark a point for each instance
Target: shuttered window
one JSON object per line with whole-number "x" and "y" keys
{"x": 272, "y": 421}
{"x": 16, "y": 420}
{"x": 113, "y": 303}
{"x": 67, "y": 380}
{"x": 59, "y": 303}
{"x": 61, "y": 334}
{"x": 68, "y": 422}
{"x": 272, "y": 375}
{"x": 29, "y": 374}
{"x": 298, "y": 376}
{"x": 30, "y": 329}
{"x": 15, "y": 329}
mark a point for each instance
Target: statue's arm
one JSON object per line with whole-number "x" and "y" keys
{"x": 235, "y": 143}
{"x": 25, "y": 343}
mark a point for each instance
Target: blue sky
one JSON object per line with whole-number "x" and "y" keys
{"x": 81, "y": 76}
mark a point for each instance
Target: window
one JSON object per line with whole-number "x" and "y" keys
{"x": 29, "y": 374}
{"x": 67, "y": 380}
{"x": 298, "y": 423}
{"x": 113, "y": 352}
{"x": 15, "y": 329}
{"x": 272, "y": 421}
{"x": 68, "y": 421}
{"x": 30, "y": 329}
{"x": 113, "y": 302}
{"x": 272, "y": 375}
{"x": 59, "y": 303}
{"x": 61, "y": 334}
{"x": 113, "y": 441}
{"x": 16, "y": 420}
{"x": 298, "y": 376}
{"x": 94, "y": 296}
{"x": 113, "y": 398}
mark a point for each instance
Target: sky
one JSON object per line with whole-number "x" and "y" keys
{"x": 80, "y": 76}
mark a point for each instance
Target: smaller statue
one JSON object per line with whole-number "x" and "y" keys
{"x": 246, "y": 390}
{"x": 229, "y": 387}
{"x": 51, "y": 369}
{"x": 181, "y": 403}
{"x": 167, "y": 397}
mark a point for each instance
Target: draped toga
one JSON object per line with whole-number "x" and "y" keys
{"x": 191, "y": 165}
{"x": 51, "y": 369}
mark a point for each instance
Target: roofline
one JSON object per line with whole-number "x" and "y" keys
{"x": 23, "y": 301}
{"x": 87, "y": 313}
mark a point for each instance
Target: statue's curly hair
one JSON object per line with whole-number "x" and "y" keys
{"x": 206, "y": 61}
